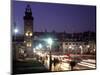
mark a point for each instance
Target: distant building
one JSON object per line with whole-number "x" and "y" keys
{"x": 69, "y": 43}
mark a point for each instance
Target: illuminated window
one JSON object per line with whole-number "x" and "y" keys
{"x": 30, "y": 34}
{"x": 26, "y": 34}
{"x": 29, "y": 45}
{"x": 22, "y": 51}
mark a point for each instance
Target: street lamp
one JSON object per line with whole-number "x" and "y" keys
{"x": 15, "y": 31}
{"x": 15, "y": 52}
{"x": 50, "y": 41}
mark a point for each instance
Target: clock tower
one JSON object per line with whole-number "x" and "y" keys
{"x": 28, "y": 31}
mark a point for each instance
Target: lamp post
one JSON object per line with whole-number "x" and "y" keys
{"x": 50, "y": 41}
{"x": 15, "y": 32}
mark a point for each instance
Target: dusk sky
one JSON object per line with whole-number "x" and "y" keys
{"x": 58, "y": 17}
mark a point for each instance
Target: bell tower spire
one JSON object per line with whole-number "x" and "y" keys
{"x": 28, "y": 11}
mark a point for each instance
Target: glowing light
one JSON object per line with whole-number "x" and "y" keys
{"x": 24, "y": 41}
{"x": 22, "y": 51}
{"x": 30, "y": 34}
{"x": 88, "y": 46}
{"x": 49, "y": 41}
{"x": 16, "y": 30}
{"x": 70, "y": 46}
{"x": 93, "y": 49}
{"x": 28, "y": 44}
{"x": 80, "y": 47}
{"x": 26, "y": 34}
{"x": 40, "y": 46}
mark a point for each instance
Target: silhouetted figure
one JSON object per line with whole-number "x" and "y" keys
{"x": 72, "y": 64}
{"x": 56, "y": 61}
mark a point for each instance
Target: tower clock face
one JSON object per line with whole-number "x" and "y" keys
{"x": 28, "y": 33}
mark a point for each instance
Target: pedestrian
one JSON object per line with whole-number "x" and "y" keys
{"x": 72, "y": 64}
{"x": 54, "y": 61}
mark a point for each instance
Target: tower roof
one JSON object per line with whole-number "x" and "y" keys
{"x": 28, "y": 12}
{"x": 28, "y": 9}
